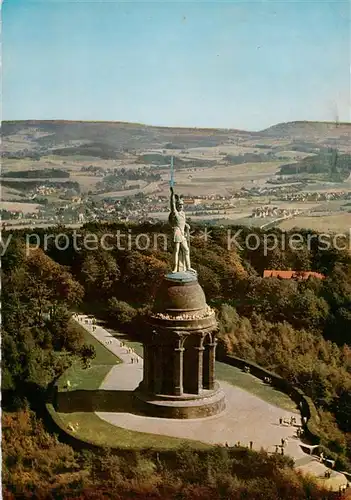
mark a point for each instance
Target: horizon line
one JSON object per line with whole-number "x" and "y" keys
{"x": 181, "y": 127}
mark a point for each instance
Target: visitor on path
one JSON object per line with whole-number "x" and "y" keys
{"x": 281, "y": 421}
{"x": 251, "y": 445}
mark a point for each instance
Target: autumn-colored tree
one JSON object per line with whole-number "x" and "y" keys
{"x": 49, "y": 281}
{"x": 99, "y": 274}
{"x": 121, "y": 311}
{"x": 141, "y": 276}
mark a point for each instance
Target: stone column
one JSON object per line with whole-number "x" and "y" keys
{"x": 178, "y": 371}
{"x": 198, "y": 369}
{"x": 146, "y": 367}
{"x": 157, "y": 362}
{"x": 211, "y": 364}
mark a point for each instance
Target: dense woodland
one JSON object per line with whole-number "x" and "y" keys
{"x": 337, "y": 166}
{"x": 37, "y": 465}
{"x": 300, "y": 329}
{"x": 46, "y": 173}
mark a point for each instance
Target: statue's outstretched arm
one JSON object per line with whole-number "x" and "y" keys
{"x": 173, "y": 203}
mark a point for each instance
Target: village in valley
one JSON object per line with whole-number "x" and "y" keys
{"x": 294, "y": 174}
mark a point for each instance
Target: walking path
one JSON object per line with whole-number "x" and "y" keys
{"x": 246, "y": 417}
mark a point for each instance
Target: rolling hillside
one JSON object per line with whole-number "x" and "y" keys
{"x": 111, "y": 139}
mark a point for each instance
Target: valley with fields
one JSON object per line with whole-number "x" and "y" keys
{"x": 288, "y": 175}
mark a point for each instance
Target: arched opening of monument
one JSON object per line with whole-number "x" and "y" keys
{"x": 167, "y": 383}
{"x": 192, "y": 376}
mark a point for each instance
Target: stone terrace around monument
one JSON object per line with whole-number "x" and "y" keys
{"x": 247, "y": 417}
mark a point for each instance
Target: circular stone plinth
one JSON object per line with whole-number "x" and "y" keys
{"x": 181, "y": 407}
{"x": 181, "y": 276}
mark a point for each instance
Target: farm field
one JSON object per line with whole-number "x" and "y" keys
{"x": 243, "y": 170}
{"x": 327, "y": 187}
{"x": 88, "y": 151}
{"x": 72, "y": 163}
{"x": 221, "y": 180}
{"x": 298, "y": 205}
{"x": 86, "y": 182}
{"x": 7, "y": 194}
{"x": 150, "y": 188}
{"x": 28, "y": 208}
{"x": 191, "y": 182}
{"x": 338, "y": 223}
{"x": 294, "y": 154}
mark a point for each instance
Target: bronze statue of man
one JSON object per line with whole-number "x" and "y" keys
{"x": 181, "y": 235}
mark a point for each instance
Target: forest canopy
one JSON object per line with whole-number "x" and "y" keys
{"x": 298, "y": 328}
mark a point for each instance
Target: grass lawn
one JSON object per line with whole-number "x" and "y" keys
{"x": 83, "y": 378}
{"x": 254, "y": 385}
{"x": 136, "y": 346}
{"x": 89, "y": 378}
{"x": 103, "y": 355}
{"x": 93, "y": 429}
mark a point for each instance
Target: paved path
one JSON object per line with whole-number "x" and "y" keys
{"x": 246, "y": 417}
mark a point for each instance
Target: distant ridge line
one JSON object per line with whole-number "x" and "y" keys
{"x": 280, "y": 125}
{"x": 130, "y": 124}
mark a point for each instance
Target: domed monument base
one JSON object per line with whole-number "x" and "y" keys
{"x": 179, "y": 353}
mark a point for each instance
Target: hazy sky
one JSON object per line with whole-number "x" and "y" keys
{"x": 231, "y": 64}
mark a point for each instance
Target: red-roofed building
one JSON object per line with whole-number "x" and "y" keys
{"x": 269, "y": 273}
